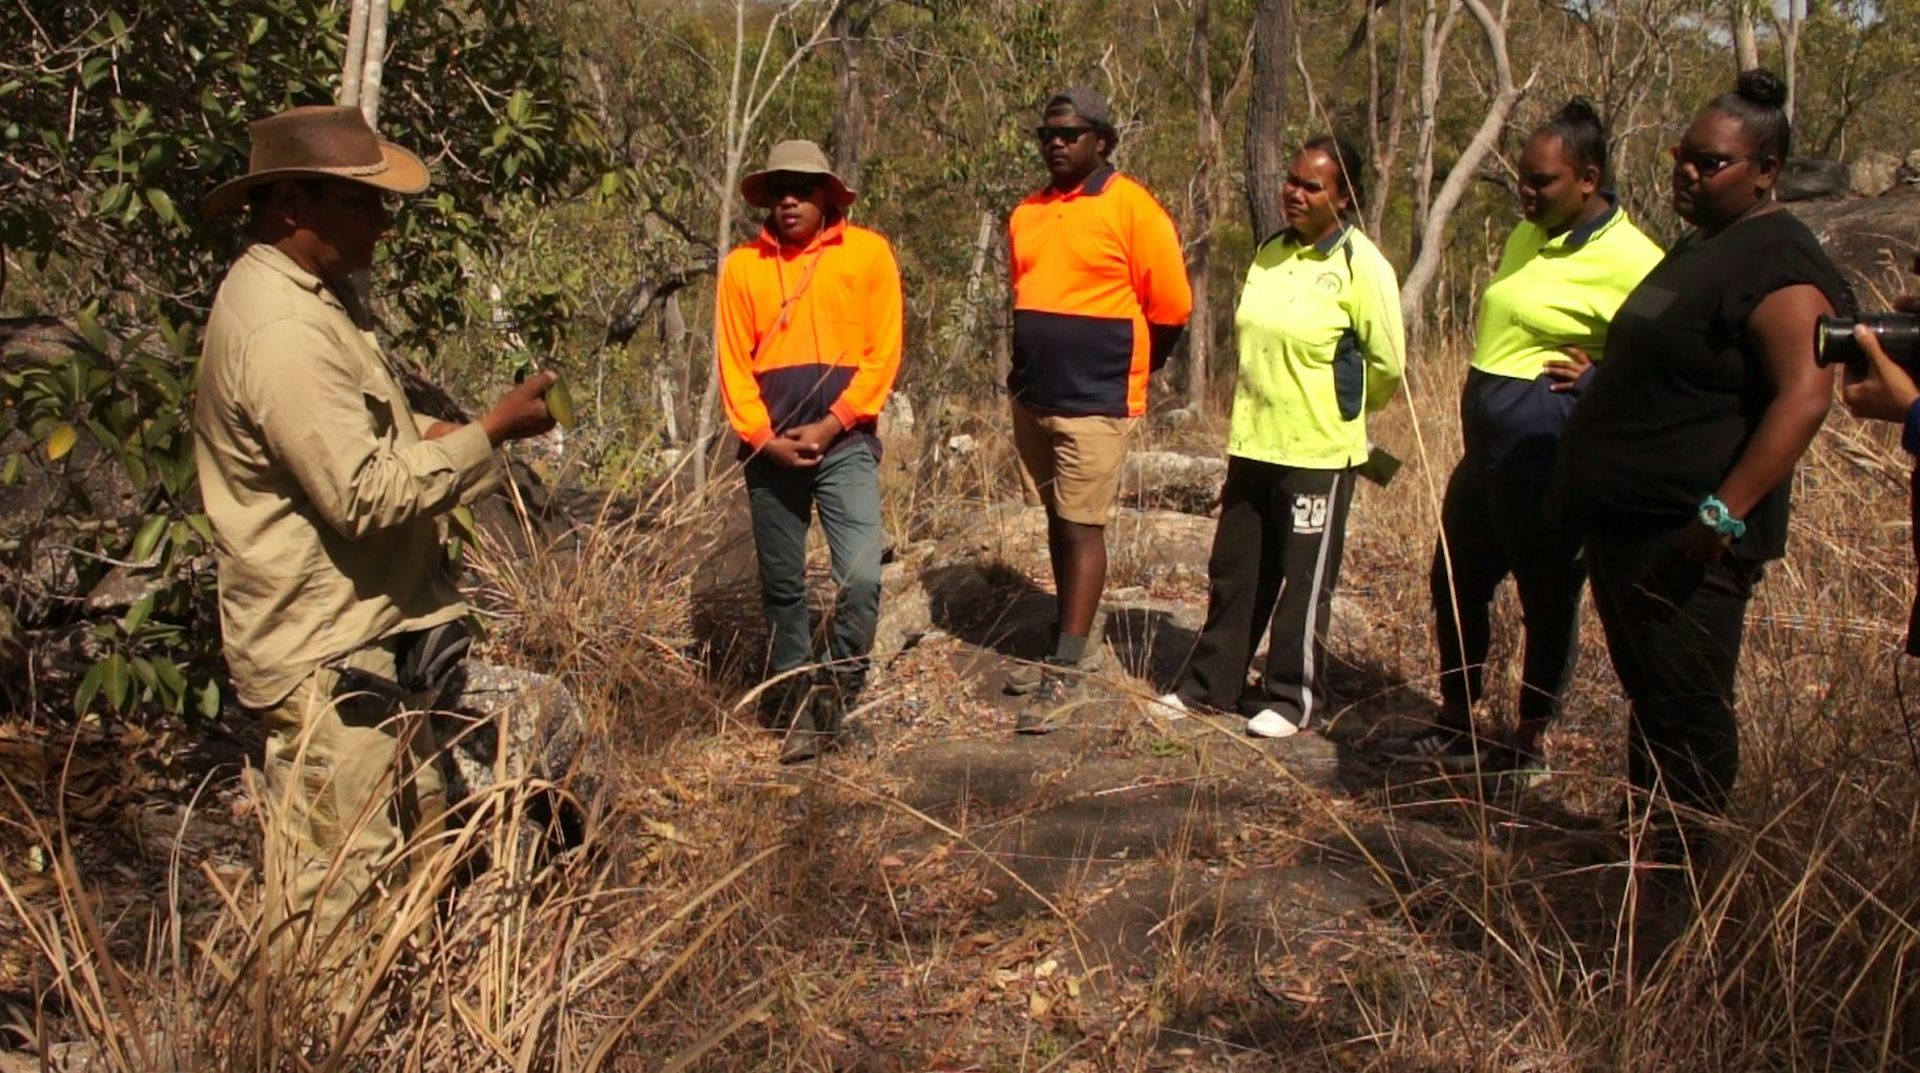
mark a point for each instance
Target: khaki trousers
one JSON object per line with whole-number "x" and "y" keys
{"x": 353, "y": 796}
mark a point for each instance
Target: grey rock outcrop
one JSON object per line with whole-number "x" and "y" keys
{"x": 1807, "y": 178}
{"x": 1873, "y": 240}
{"x": 1143, "y": 546}
{"x": 1170, "y": 480}
{"x": 1874, "y": 172}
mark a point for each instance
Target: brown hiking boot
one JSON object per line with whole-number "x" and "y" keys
{"x": 1025, "y": 678}
{"x": 803, "y": 738}
{"x": 1022, "y": 680}
{"x": 1062, "y": 691}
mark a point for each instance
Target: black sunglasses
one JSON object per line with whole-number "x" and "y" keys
{"x": 800, "y": 186}
{"x": 1708, "y": 165}
{"x": 1069, "y": 135}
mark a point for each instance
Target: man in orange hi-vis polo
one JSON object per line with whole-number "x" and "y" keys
{"x": 1100, "y": 296}
{"x": 809, "y": 344}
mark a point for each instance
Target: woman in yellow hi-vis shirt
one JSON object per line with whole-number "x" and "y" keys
{"x": 1320, "y": 346}
{"x": 1566, "y": 269}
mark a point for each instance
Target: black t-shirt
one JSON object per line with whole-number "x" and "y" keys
{"x": 1683, "y": 384}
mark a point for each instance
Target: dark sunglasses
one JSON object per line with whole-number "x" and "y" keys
{"x": 1069, "y": 135}
{"x": 1708, "y": 165}
{"x": 800, "y": 186}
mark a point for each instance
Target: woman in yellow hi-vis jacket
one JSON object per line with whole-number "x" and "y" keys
{"x": 1320, "y": 346}
{"x": 1563, "y": 274}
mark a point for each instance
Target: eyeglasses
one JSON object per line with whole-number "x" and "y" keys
{"x": 1069, "y": 135}
{"x": 800, "y": 186}
{"x": 1708, "y": 165}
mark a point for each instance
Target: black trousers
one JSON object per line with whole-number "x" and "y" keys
{"x": 1274, "y": 565}
{"x": 1673, "y": 629}
{"x": 1492, "y": 526}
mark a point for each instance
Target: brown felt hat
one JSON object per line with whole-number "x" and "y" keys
{"x": 319, "y": 142}
{"x": 800, "y": 158}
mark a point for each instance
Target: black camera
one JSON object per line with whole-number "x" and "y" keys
{"x": 1899, "y": 335}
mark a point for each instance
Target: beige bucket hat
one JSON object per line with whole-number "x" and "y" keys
{"x": 319, "y": 141}
{"x": 799, "y": 157}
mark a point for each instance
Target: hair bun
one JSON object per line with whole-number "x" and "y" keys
{"x": 1578, "y": 110}
{"x": 1762, "y": 87}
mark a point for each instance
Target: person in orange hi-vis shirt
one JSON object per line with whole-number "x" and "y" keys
{"x": 808, "y": 328}
{"x": 1100, "y": 298}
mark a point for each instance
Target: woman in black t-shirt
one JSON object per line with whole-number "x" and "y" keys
{"x": 1678, "y": 463}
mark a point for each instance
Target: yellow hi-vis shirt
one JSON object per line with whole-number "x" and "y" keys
{"x": 1551, "y": 293}
{"x": 1302, "y": 397}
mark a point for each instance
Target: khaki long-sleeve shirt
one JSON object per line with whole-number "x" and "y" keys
{"x": 322, "y": 492}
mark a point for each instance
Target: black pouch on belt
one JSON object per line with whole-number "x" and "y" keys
{"x": 425, "y": 659}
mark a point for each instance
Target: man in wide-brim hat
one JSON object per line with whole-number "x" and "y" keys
{"x": 325, "y": 492}
{"x": 809, "y": 332}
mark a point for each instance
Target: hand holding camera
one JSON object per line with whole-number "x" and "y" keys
{"x": 1880, "y": 388}
{"x": 1881, "y": 352}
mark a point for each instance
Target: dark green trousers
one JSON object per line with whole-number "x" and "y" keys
{"x": 845, "y": 487}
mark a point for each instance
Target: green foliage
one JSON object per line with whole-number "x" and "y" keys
{"x": 1858, "y": 60}
{"x": 119, "y": 116}
{"x": 125, "y": 401}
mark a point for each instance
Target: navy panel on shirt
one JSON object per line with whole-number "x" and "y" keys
{"x": 1066, "y": 363}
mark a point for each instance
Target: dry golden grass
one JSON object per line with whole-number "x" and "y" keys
{"x": 727, "y": 916}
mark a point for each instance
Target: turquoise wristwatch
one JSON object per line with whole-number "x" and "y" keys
{"x": 1715, "y": 516}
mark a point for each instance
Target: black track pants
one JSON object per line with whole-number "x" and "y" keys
{"x": 1493, "y": 526}
{"x": 1275, "y": 562}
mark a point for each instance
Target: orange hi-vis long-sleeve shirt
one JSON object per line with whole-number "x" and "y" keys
{"x": 1100, "y": 294}
{"x": 804, "y": 333}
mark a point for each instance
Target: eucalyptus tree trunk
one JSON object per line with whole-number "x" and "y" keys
{"x": 1200, "y": 249}
{"x": 376, "y": 62}
{"x": 1432, "y": 225}
{"x": 722, "y": 237}
{"x": 849, "y": 133}
{"x": 747, "y": 96}
{"x": 1273, "y": 45}
{"x": 1790, "y": 53}
{"x": 1436, "y": 24}
{"x": 1746, "y": 48}
{"x": 360, "y": 74}
{"x": 1384, "y": 136}
{"x": 356, "y": 58}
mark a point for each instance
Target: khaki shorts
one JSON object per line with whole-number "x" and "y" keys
{"x": 1071, "y": 464}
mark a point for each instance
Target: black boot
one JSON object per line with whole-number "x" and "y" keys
{"x": 782, "y": 701}
{"x": 803, "y": 737}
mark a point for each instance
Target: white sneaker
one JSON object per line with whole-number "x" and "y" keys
{"x": 1176, "y": 708}
{"x": 1271, "y": 724}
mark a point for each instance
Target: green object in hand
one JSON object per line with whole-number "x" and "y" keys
{"x": 560, "y": 403}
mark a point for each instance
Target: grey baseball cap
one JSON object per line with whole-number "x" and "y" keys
{"x": 1086, "y": 103}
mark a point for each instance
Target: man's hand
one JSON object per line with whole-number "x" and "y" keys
{"x": 1566, "y": 372}
{"x": 522, "y": 412}
{"x": 1884, "y": 391}
{"x": 789, "y": 453}
{"x": 815, "y": 438}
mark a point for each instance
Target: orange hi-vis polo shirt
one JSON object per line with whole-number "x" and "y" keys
{"x": 804, "y": 333}
{"x": 1100, "y": 294}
